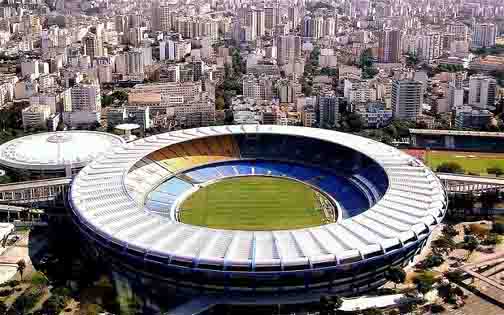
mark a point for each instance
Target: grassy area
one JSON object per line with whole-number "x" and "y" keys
{"x": 471, "y": 162}
{"x": 253, "y": 203}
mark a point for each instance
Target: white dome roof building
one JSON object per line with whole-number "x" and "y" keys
{"x": 55, "y": 154}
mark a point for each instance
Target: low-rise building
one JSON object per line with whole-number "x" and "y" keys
{"x": 467, "y": 117}
{"x": 376, "y": 115}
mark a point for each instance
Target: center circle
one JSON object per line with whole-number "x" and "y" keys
{"x": 59, "y": 138}
{"x": 257, "y": 203}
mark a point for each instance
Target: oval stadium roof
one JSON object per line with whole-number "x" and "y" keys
{"x": 56, "y": 150}
{"x": 102, "y": 200}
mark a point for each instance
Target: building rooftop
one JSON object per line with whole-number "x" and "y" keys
{"x": 56, "y": 150}
{"x": 456, "y": 133}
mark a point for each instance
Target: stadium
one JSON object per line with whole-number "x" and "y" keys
{"x": 257, "y": 209}
{"x": 55, "y": 154}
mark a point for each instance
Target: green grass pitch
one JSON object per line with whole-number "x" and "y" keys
{"x": 471, "y": 162}
{"x": 254, "y": 204}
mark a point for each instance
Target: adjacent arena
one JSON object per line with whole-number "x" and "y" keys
{"x": 377, "y": 208}
{"x": 55, "y": 154}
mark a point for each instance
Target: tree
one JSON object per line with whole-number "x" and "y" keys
{"x": 450, "y": 167}
{"x": 492, "y": 239}
{"x": 498, "y": 227}
{"x": 455, "y": 275}
{"x": 55, "y": 304}
{"x": 372, "y": 311}
{"x": 433, "y": 260}
{"x": 329, "y": 304}
{"x": 396, "y": 275}
{"x": 479, "y": 230}
{"x": 219, "y": 103}
{"x": 449, "y": 231}
{"x": 470, "y": 242}
{"x": 21, "y": 266}
{"x": 445, "y": 243}
{"x": 3, "y": 308}
{"x": 355, "y": 122}
{"x": 450, "y": 293}
{"x": 424, "y": 281}
{"x": 411, "y": 60}
{"x": 489, "y": 199}
{"x": 496, "y": 170}
{"x": 437, "y": 308}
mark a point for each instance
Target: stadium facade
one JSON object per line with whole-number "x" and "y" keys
{"x": 457, "y": 140}
{"x": 126, "y": 202}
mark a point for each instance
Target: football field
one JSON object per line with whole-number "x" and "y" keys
{"x": 471, "y": 162}
{"x": 253, "y": 203}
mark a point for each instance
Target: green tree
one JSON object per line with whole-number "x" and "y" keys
{"x": 498, "y": 171}
{"x": 355, "y": 122}
{"x": 455, "y": 275}
{"x": 450, "y": 167}
{"x": 492, "y": 239}
{"x": 445, "y": 243}
{"x": 424, "y": 281}
{"x": 433, "y": 260}
{"x": 396, "y": 275}
{"x": 411, "y": 60}
{"x": 372, "y": 311}
{"x": 329, "y": 305}
{"x": 498, "y": 228}
{"x": 437, "y": 308}
{"x": 219, "y": 103}
{"x": 470, "y": 242}
{"x": 55, "y": 304}
{"x": 21, "y": 266}
{"x": 449, "y": 231}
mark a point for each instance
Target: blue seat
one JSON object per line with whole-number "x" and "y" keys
{"x": 174, "y": 186}
{"x": 226, "y": 170}
{"x": 158, "y": 206}
{"x": 244, "y": 168}
{"x": 161, "y": 197}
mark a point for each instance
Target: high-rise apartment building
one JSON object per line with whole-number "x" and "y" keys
{"x": 135, "y": 62}
{"x": 389, "y": 49}
{"x": 260, "y": 22}
{"x": 308, "y": 26}
{"x": 258, "y": 88}
{"x": 407, "y": 99}
{"x": 288, "y": 49}
{"x": 91, "y": 45}
{"x": 330, "y": 26}
{"x": 328, "y": 111}
{"x": 251, "y": 23}
{"x": 270, "y": 18}
{"x": 484, "y": 35}
{"x": 121, "y": 23}
{"x": 104, "y": 69}
{"x": 86, "y": 98}
{"x": 459, "y": 30}
{"x": 456, "y": 91}
{"x": 318, "y": 26}
{"x": 293, "y": 16}
{"x": 429, "y": 46}
{"x": 482, "y": 91}
{"x": 98, "y": 30}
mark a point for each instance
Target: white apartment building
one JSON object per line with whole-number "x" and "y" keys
{"x": 35, "y": 117}
{"x": 407, "y": 99}
{"x": 86, "y": 98}
{"x": 482, "y": 91}
{"x": 484, "y": 35}
{"x": 29, "y": 68}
